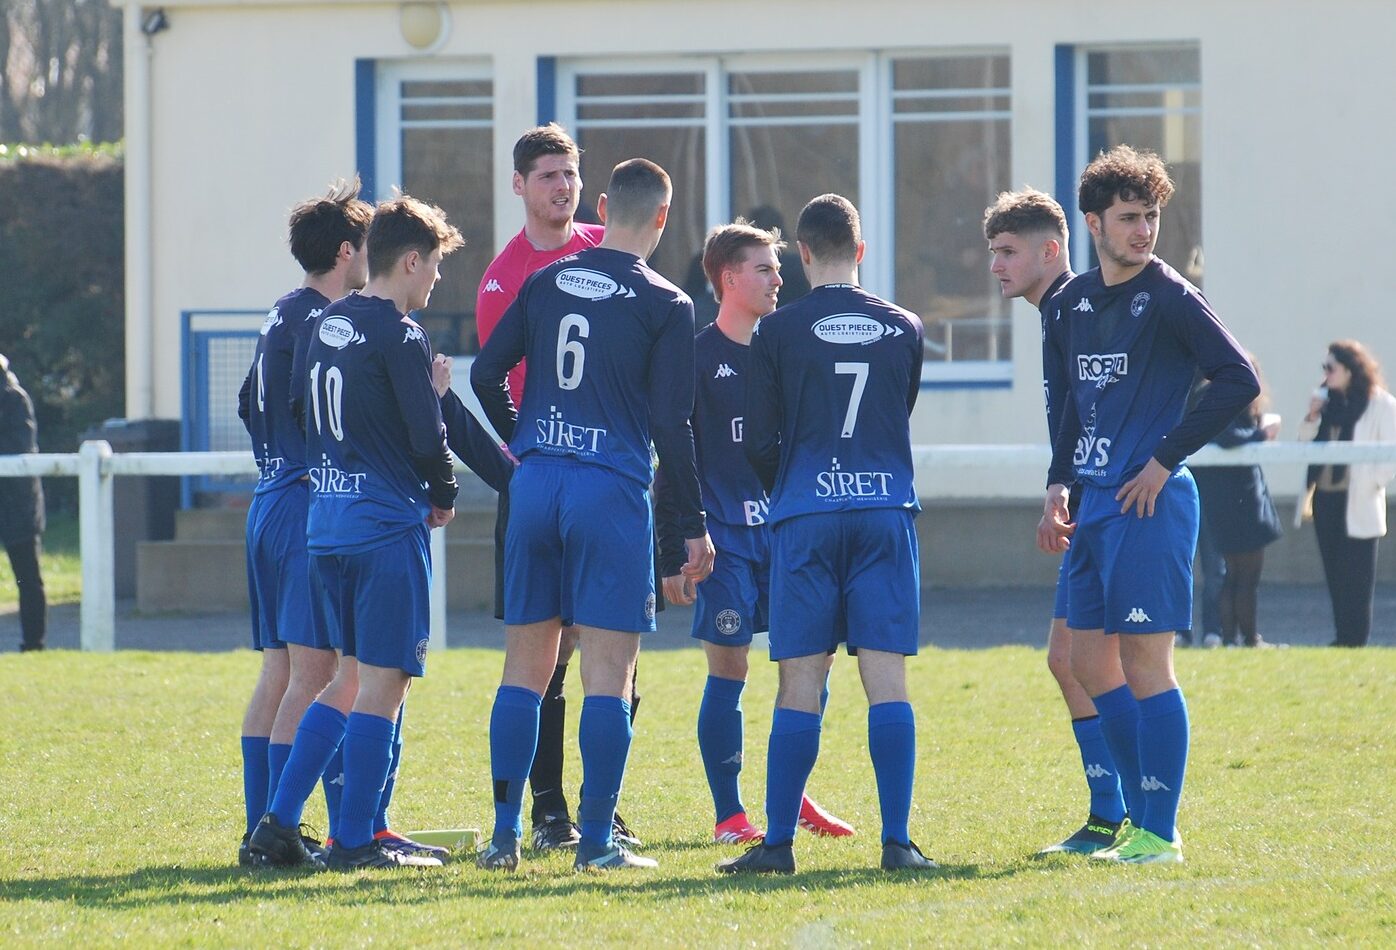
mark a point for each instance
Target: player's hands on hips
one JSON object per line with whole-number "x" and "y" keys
{"x": 1054, "y": 531}
{"x": 678, "y": 590}
{"x": 441, "y": 374}
{"x": 440, "y": 517}
{"x": 1141, "y": 490}
{"x": 700, "y": 558}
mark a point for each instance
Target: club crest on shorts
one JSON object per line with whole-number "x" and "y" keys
{"x": 1137, "y": 305}
{"x": 649, "y": 607}
{"x": 728, "y": 622}
{"x": 422, "y": 651}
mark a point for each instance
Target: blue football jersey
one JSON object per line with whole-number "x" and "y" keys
{"x": 609, "y": 344}
{"x": 1131, "y": 354}
{"x": 834, "y": 377}
{"x": 374, "y": 437}
{"x": 1055, "y": 387}
{"x": 266, "y": 401}
{"x": 732, "y": 494}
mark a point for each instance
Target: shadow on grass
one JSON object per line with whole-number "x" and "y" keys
{"x": 214, "y": 886}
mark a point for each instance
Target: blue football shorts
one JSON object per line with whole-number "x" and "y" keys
{"x": 1059, "y": 602}
{"x": 733, "y": 602}
{"x": 377, "y": 603}
{"x": 1132, "y": 574}
{"x": 278, "y": 579}
{"x": 848, "y": 576}
{"x": 579, "y": 545}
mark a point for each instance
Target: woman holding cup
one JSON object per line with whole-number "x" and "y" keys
{"x": 1348, "y": 502}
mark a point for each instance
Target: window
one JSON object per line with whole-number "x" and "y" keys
{"x": 921, "y": 143}
{"x": 436, "y": 141}
{"x": 1148, "y": 97}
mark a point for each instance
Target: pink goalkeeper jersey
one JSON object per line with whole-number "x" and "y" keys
{"x": 505, "y": 277}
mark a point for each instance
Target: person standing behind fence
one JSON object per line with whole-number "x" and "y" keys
{"x": 1348, "y": 502}
{"x": 22, "y": 510}
{"x": 1241, "y": 518}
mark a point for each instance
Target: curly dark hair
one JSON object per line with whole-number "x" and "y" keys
{"x": 1366, "y": 371}
{"x": 1124, "y": 173}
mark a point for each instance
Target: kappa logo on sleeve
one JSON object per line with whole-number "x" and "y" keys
{"x": 492, "y": 287}
{"x": 414, "y": 332}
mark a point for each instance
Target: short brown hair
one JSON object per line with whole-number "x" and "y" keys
{"x": 636, "y": 190}
{"x": 1125, "y": 174}
{"x": 320, "y": 226}
{"x": 550, "y": 139}
{"x": 404, "y": 224}
{"x": 1024, "y": 212}
{"x": 727, "y": 245}
{"x": 829, "y": 226}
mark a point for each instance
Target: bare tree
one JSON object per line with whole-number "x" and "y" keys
{"x": 60, "y": 71}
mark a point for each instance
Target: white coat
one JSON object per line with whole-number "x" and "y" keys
{"x": 1366, "y": 510}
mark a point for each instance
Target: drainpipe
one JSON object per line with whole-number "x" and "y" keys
{"x": 140, "y": 336}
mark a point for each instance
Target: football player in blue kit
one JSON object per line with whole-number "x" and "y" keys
{"x": 326, "y": 237}
{"x": 834, "y": 377}
{"x": 742, "y": 265}
{"x": 1131, "y": 336}
{"x": 380, "y": 478}
{"x": 1027, "y": 235}
{"x": 609, "y": 344}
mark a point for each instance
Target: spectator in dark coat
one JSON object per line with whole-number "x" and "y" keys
{"x": 22, "y": 510}
{"x": 1242, "y": 521}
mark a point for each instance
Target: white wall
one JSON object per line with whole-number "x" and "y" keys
{"x": 253, "y": 109}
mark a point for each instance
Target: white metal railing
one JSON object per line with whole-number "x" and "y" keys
{"x": 95, "y": 466}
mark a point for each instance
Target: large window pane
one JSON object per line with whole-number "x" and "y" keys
{"x": 448, "y": 159}
{"x": 951, "y": 156}
{"x": 660, "y": 117}
{"x": 791, "y": 135}
{"x": 1151, "y": 97}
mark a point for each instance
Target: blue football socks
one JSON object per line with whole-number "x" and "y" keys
{"x": 1118, "y": 711}
{"x": 604, "y": 736}
{"x": 332, "y": 781}
{"x": 1163, "y": 759}
{"x": 368, "y": 753}
{"x": 790, "y": 757}
{"x": 720, "y": 742}
{"x": 513, "y": 741}
{"x": 319, "y": 734}
{"x": 380, "y": 819}
{"x": 892, "y": 746}
{"x": 255, "y": 787}
{"x": 1107, "y": 799}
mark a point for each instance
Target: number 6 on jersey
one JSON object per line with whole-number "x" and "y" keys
{"x": 571, "y": 379}
{"x": 859, "y": 372}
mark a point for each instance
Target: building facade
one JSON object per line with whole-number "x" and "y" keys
{"x": 919, "y": 111}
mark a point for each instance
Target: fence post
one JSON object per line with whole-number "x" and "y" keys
{"x": 98, "y": 614}
{"x": 438, "y": 589}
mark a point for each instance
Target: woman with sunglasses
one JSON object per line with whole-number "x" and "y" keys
{"x": 1348, "y": 502}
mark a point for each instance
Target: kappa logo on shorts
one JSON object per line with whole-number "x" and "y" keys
{"x": 421, "y": 651}
{"x": 728, "y": 622}
{"x": 1137, "y": 305}
{"x": 649, "y": 607}
{"x": 1137, "y": 615}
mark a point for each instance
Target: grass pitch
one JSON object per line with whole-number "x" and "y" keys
{"x": 122, "y": 810}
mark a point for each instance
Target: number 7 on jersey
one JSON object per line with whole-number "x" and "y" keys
{"x": 859, "y": 372}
